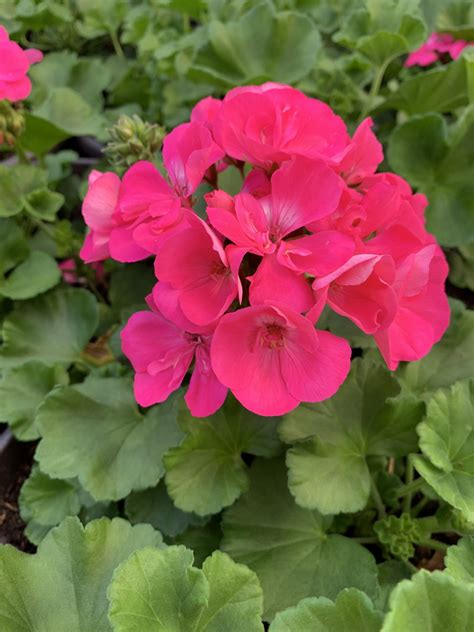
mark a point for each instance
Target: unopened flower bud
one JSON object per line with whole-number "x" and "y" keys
{"x": 132, "y": 139}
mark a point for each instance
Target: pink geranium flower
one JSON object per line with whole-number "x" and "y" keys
{"x": 273, "y": 358}
{"x": 14, "y": 65}
{"x": 161, "y": 353}
{"x": 422, "y": 314}
{"x": 188, "y": 151}
{"x": 268, "y": 124}
{"x": 194, "y": 263}
{"x": 128, "y": 219}
{"x": 432, "y": 50}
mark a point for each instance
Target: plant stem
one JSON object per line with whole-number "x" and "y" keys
{"x": 378, "y": 500}
{"x": 433, "y": 544}
{"x": 419, "y": 506}
{"x": 42, "y": 226}
{"x": 21, "y": 153}
{"x": 116, "y": 43}
{"x": 374, "y": 90}
{"x": 409, "y": 474}
{"x": 410, "y": 488}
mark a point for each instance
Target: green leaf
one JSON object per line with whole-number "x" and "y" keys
{"x": 206, "y": 472}
{"x": 261, "y": 44}
{"x": 289, "y": 547}
{"x": 352, "y": 610}
{"x": 450, "y": 360}
{"x": 129, "y": 285}
{"x": 94, "y": 431}
{"x": 44, "y": 204}
{"x": 160, "y": 591}
{"x": 52, "y": 328}
{"x": 63, "y": 587}
{"x": 155, "y": 507}
{"x": 391, "y": 573}
{"x": 329, "y": 470}
{"x": 22, "y": 389}
{"x": 447, "y": 442}
{"x": 437, "y": 161}
{"x": 460, "y": 560}
{"x": 203, "y": 541}
{"x": 461, "y": 266}
{"x": 40, "y": 135}
{"x": 431, "y": 602}
{"x": 13, "y": 245}
{"x": 48, "y": 501}
{"x": 37, "y": 274}
{"x": 69, "y": 113}
{"x": 17, "y": 182}
{"x": 382, "y": 29}
{"x": 438, "y": 90}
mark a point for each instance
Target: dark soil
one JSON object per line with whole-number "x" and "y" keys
{"x": 16, "y": 460}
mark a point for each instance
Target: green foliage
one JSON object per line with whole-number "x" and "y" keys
{"x": 161, "y": 591}
{"x": 399, "y": 534}
{"x": 447, "y": 443}
{"x": 436, "y": 159}
{"x": 328, "y": 468}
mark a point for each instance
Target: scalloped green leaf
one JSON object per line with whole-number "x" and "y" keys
{"x": 290, "y": 548}
{"x": 160, "y": 591}
{"x": 352, "y": 611}
{"x": 13, "y": 245}
{"x": 95, "y": 431}
{"x": 206, "y": 471}
{"x": 38, "y": 273}
{"x": 63, "y": 586}
{"x": 327, "y": 468}
{"x": 22, "y": 389}
{"x": 459, "y": 560}
{"x": 447, "y": 443}
{"x": 52, "y": 328}
{"x": 431, "y": 602}
{"x": 47, "y": 501}
{"x": 437, "y": 160}
{"x": 260, "y": 44}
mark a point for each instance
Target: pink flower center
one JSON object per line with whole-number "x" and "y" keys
{"x": 218, "y": 269}
{"x": 272, "y": 337}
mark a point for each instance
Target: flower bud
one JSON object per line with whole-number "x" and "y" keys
{"x": 132, "y": 139}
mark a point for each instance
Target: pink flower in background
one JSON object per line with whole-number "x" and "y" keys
{"x": 307, "y": 224}
{"x": 272, "y": 359}
{"x": 14, "y": 65}
{"x": 161, "y": 354}
{"x": 432, "y": 50}
{"x": 68, "y": 269}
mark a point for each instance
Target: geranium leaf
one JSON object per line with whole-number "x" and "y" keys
{"x": 22, "y": 389}
{"x": 155, "y": 507}
{"x": 48, "y": 501}
{"x": 289, "y": 547}
{"x": 37, "y": 274}
{"x": 430, "y": 602}
{"x": 206, "y": 472}
{"x": 261, "y": 43}
{"x": 13, "y": 245}
{"x": 160, "y": 591}
{"x": 435, "y": 159}
{"x": 95, "y": 431}
{"x": 447, "y": 443}
{"x": 63, "y": 586}
{"x": 52, "y": 328}
{"x": 352, "y": 610}
{"x": 460, "y": 560}
{"x": 329, "y": 470}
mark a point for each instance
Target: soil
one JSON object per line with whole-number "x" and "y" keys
{"x": 16, "y": 460}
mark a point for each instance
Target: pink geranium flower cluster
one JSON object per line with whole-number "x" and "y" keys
{"x": 437, "y": 46}
{"x": 239, "y": 292}
{"x": 14, "y": 65}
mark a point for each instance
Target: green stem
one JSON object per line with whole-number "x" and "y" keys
{"x": 21, "y": 153}
{"x": 116, "y": 43}
{"x": 42, "y": 226}
{"x": 409, "y": 474}
{"x": 378, "y": 500}
{"x": 433, "y": 544}
{"x": 410, "y": 488}
{"x": 374, "y": 89}
{"x": 418, "y": 508}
